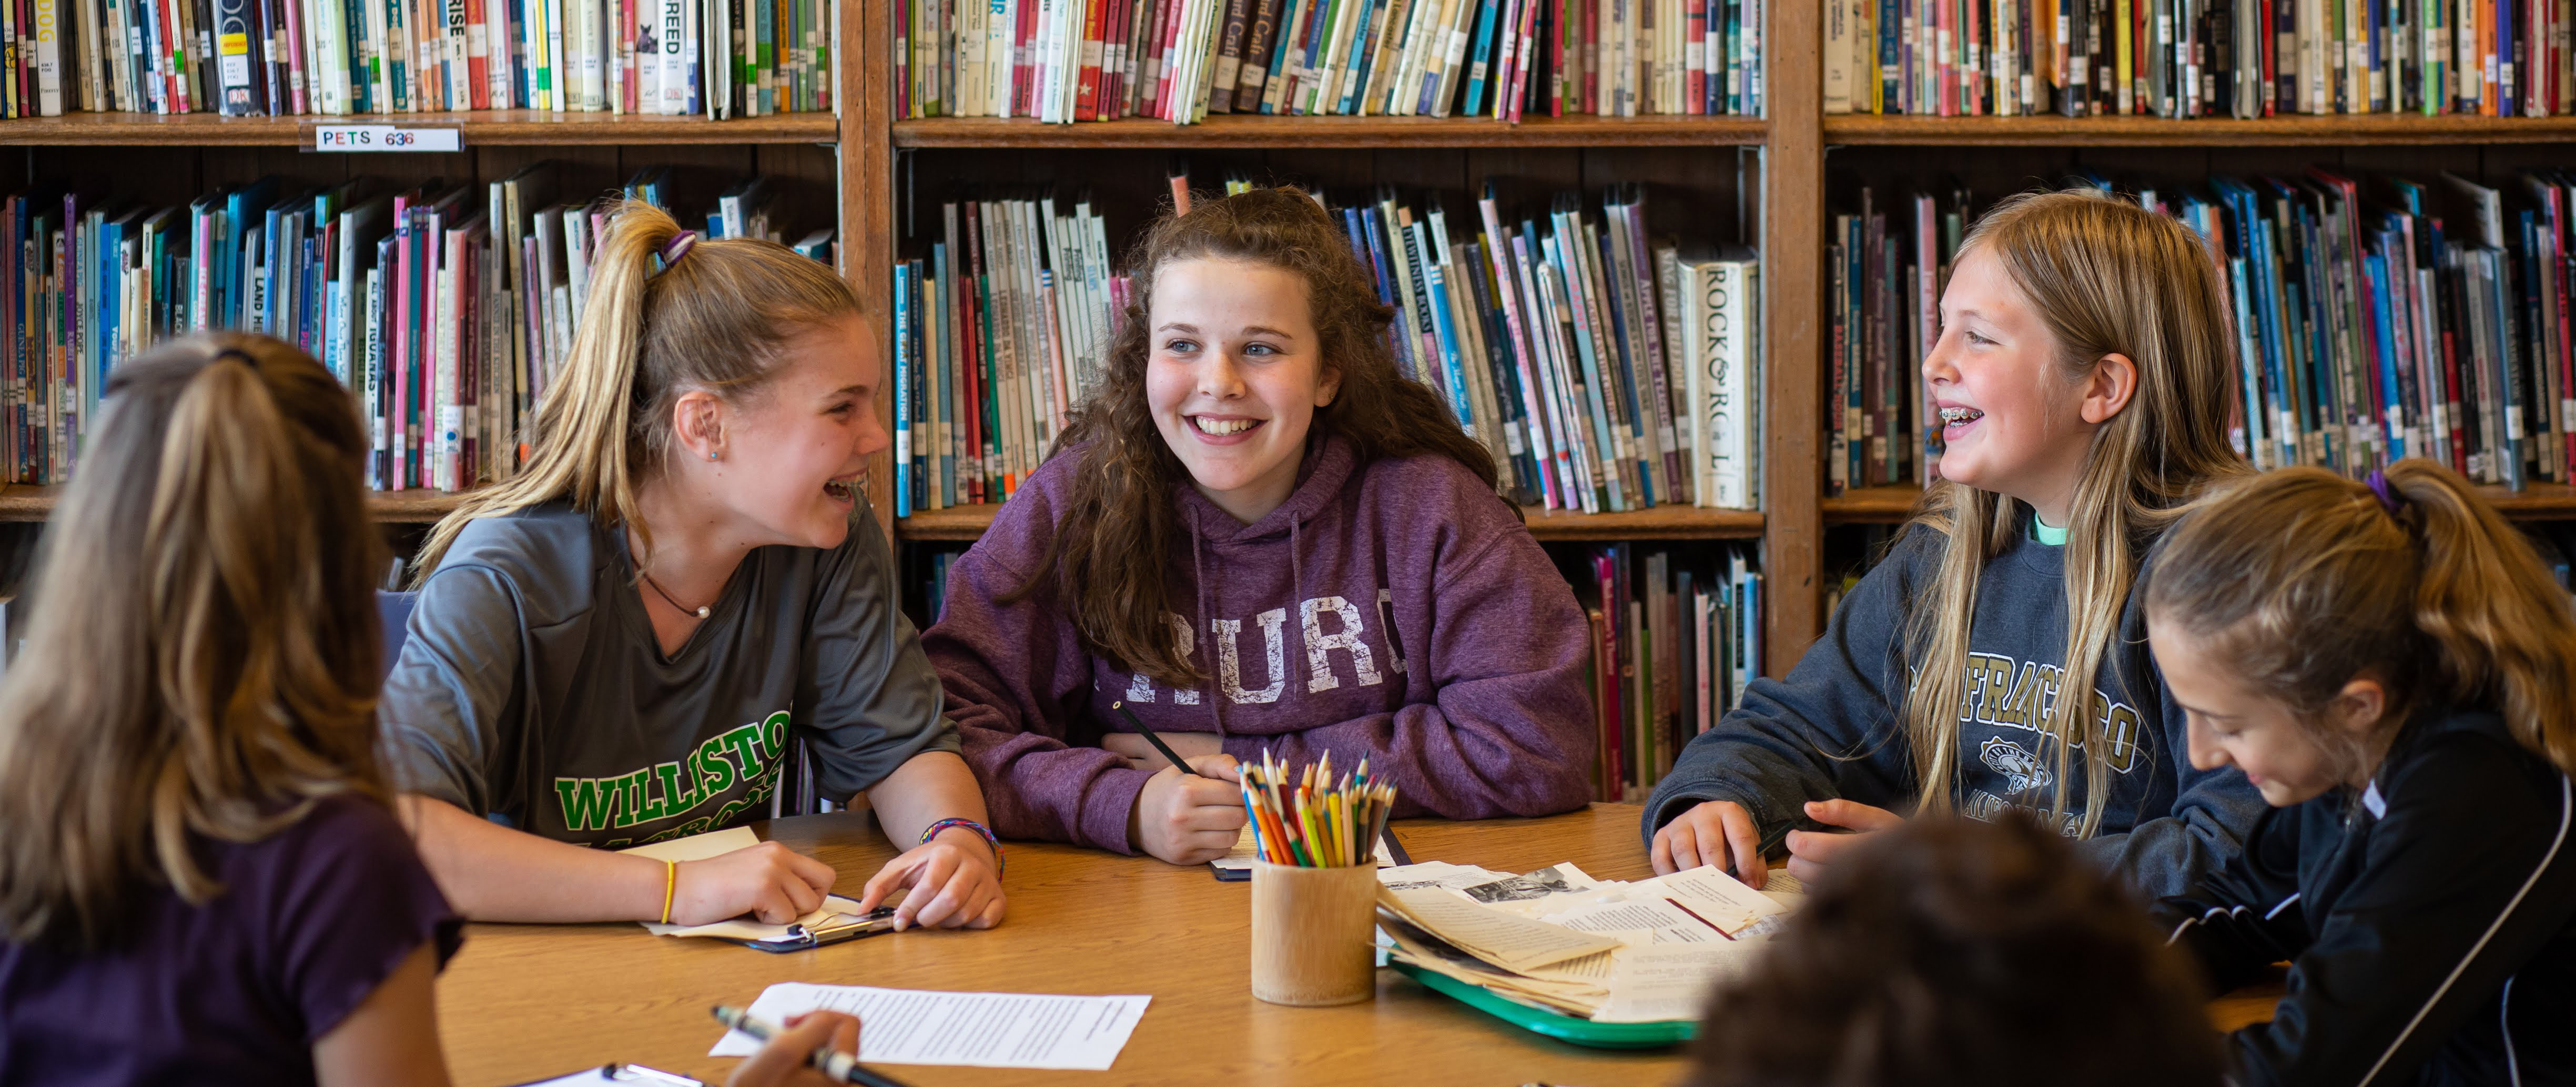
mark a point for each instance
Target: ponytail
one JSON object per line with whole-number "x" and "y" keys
{"x": 2308, "y": 579}
{"x": 217, "y": 670}
{"x": 715, "y": 316}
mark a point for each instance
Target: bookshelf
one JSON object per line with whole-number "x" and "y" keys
{"x": 860, "y": 166}
{"x": 1690, "y": 153}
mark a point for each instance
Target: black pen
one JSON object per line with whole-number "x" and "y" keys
{"x": 835, "y": 1065}
{"x": 1150, "y": 738}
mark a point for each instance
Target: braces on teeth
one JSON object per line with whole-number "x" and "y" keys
{"x": 1959, "y": 415}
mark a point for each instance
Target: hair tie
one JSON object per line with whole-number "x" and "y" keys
{"x": 2388, "y": 500}
{"x": 678, "y": 247}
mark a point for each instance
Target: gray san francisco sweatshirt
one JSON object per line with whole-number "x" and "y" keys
{"x": 1832, "y": 730}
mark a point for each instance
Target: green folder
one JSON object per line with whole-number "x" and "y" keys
{"x": 1564, "y": 1028}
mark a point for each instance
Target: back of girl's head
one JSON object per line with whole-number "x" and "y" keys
{"x": 1117, "y": 516}
{"x": 2305, "y": 580}
{"x": 204, "y": 654}
{"x": 667, "y": 312}
{"x": 2106, "y": 277}
{"x": 1952, "y": 951}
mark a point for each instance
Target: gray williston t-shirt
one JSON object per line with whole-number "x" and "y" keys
{"x": 531, "y": 685}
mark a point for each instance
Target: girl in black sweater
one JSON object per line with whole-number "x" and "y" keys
{"x": 2391, "y": 665}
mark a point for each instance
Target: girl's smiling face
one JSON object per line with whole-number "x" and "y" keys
{"x": 796, "y": 450}
{"x": 2231, "y": 724}
{"x": 2013, "y": 421}
{"x": 1233, "y": 376}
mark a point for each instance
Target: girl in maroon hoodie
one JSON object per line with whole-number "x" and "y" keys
{"x": 1258, "y": 535}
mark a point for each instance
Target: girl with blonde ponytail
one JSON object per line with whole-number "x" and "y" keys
{"x": 617, "y": 645}
{"x": 2392, "y": 666}
{"x": 200, "y": 878}
{"x": 1995, "y": 660}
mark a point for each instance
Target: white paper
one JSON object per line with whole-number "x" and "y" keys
{"x": 1640, "y": 922}
{"x": 744, "y": 928}
{"x": 1668, "y": 981}
{"x": 982, "y": 1030}
{"x": 698, "y": 847}
{"x": 1505, "y": 940}
{"x": 1710, "y": 883}
{"x": 1436, "y": 874}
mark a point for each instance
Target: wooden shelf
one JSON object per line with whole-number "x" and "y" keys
{"x": 19, "y": 502}
{"x": 2051, "y": 130}
{"x": 1235, "y": 130}
{"x": 1887, "y": 505}
{"x": 513, "y": 126}
{"x": 967, "y": 523}
{"x": 1895, "y": 504}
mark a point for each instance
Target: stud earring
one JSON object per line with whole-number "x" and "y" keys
{"x": 711, "y": 454}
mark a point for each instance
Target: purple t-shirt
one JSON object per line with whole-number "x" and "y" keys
{"x": 311, "y": 920}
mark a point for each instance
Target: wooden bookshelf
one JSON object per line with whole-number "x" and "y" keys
{"x": 960, "y": 524}
{"x": 1895, "y": 504}
{"x": 1237, "y": 130}
{"x": 2051, "y": 130}
{"x": 20, "y": 502}
{"x": 512, "y": 127}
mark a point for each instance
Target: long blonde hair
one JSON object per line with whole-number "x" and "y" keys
{"x": 2302, "y": 580}
{"x": 206, "y": 655}
{"x": 2108, "y": 277}
{"x": 716, "y": 318}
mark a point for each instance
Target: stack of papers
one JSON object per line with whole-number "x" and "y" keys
{"x": 1606, "y": 950}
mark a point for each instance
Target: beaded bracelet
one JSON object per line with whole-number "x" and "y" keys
{"x": 998, "y": 863}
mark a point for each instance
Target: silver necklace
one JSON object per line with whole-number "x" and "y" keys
{"x": 666, "y": 596}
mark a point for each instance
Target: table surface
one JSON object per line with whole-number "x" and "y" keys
{"x": 523, "y": 1002}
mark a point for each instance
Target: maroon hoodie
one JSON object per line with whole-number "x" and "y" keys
{"x": 1476, "y": 706}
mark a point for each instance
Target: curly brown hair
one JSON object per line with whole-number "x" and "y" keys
{"x": 1107, "y": 555}
{"x": 1952, "y": 951}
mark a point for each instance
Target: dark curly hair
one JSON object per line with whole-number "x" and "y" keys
{"x": 1107, "y": 560}
{"x": 1952, "y": 951}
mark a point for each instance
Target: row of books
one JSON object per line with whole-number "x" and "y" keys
{"x": 334, "y": 57}
{"x": 1675, "y": 640}
{"x": 1884, "y": 301}
{"x": 2399, "y": 319}
{"x": 2375, "y": 320}
{"x": 1602, "y": 370}
{"x": 448, "y": 309}
{"x": 2199, "y": 58}
{"x": 1181, "y": 60}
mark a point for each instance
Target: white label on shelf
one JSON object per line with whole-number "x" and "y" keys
{"x": 383, "y": 138}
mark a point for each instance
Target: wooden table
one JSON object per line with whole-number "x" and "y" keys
{"x": 525, "y": 1002}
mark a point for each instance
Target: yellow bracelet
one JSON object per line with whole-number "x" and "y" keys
{"x": 670, "y": 883}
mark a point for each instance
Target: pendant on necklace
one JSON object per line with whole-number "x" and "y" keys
{"x": 702, "y": 613}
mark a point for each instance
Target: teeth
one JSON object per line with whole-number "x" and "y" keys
{"x": 1959, "y": 415}
{"x": 837, "y": 488}
{"x": 1222, "y": 427}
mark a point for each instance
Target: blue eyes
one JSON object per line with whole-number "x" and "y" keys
{"x": 1184, "y": 347}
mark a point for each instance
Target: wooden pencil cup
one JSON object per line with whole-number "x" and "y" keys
{"x": 1311, "y": 934}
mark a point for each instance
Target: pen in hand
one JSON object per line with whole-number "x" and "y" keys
{"x": 1150, "y": 738}
{"x": 835, "y": 1065}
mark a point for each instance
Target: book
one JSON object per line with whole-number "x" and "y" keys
{"x": 447, "y": 311}
{"x": 1599, "y": 376}
{"x": 1180, "y": 60}
{"x": 340, "y": 57}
